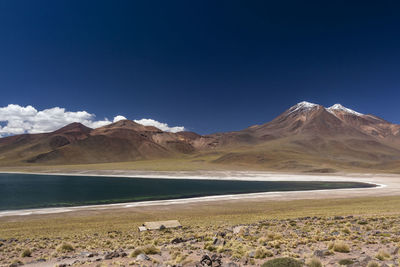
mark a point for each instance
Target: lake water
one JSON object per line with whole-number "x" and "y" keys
{"x": 23, "y": 191}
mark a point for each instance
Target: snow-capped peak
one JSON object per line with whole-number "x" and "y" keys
{"x": 342, "y": 108}
{"x": 303, "y": 106}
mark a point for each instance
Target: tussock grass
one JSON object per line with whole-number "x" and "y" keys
{"x": 26, "y": 253}
{"x": 65, "y": 247}
{"x": 262, "y": 253}
{"x": 148, "y": 250}
{"x": 373, "y": 264}
{"x": 283, "y": 262}
{"x": 340, "y": 246}
{"x": 382, "y": 255}
{"x": 314, "y": 262}
{"x": 346, "y": 262}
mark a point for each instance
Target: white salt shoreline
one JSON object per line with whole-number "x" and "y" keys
{"x": 386, "y": 185}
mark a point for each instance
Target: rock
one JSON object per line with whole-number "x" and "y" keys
{"x": 89, "y": 254}
{"x": 11, "y": 240}
{"x": 111, "y": 255}
{"x": 321, "y": 253}
{"x": 218, "y": 241}
{"x": 142, "y": 228}
{"x": 364, "y": 260}
{"x": 142, "y": 257}
{"x": 237, "y": 229}
{"x": 177, "y": 240}
{"x": 216, "y": 260}
{"x": 396, "y": 251}
{"x": 252, "y": 254}
{"x": 206, "y": 261}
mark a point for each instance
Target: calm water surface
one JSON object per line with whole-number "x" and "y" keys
{"x": 22, "y": 191}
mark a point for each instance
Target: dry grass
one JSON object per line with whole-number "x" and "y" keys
{"x": 196, "y": 214}
{"x": 373, "y": 264}
{"x": 262, "y": 253}
{"x": 314, "y": 262}
{"x": 26, "y": 253}
{"x": 65, "y": 247}
{"x": 340, "y": 246}
{"x": 382, "y": 255}
{"x": 271, "y": 228}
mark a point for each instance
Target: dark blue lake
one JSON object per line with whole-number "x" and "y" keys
{"x": 22, "y": 191}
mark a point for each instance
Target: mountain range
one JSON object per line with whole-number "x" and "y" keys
{"x": 306, "y": 137}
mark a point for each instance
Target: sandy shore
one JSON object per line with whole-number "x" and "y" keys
{"x": 388, "y": 185}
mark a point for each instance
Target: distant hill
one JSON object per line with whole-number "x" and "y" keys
{"x": 306, "y": 137}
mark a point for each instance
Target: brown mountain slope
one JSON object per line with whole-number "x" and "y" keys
{"x": 121, "y": 141}
{"x": 306, "y": 137}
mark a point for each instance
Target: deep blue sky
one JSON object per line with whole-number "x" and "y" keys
{"x": 208, "y": 65}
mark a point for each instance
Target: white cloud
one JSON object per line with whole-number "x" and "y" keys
{"x": 119, "y": 118}
{"x": 160, "y": 125}
{"x": 16, "y": 119}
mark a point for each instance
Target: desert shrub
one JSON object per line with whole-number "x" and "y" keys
{"x": 65, "y": 247}
{"x": 382, "y": 255}
{"x": 346, "y": 262}
{"x": 26, "y": 253}
{"x": 314, "y": 262}
{"x": 151, "y": 250}
{"x": 210, "y": 247}
{"x": 16, "y": 263}
{"x": 373, "y": 264}
{"x": 262, "y": 253}
{"x": 273, "y": 236}
{"x": 346, "y": 231}
{"x": 340, "y": 246}
{"x": 283, "y": 262}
